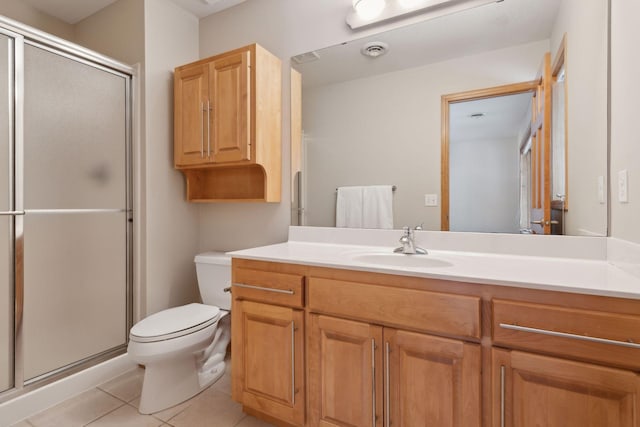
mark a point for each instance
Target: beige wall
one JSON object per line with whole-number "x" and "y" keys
{"x": 585, "y": 24}
{"x": 397, "y": 117}
{"x": 625, "y": 138}
{"x": 21, "y": 11}
{"x": 116, "y": 31}
{"x": 171, "y": 223}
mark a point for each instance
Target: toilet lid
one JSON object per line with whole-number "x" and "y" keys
{"x": 175, "y": 322}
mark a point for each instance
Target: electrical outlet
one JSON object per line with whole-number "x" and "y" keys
{"x": 623, "y": 186}
{"x": 431, "y": 200}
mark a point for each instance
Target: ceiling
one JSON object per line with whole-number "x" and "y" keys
{"x": 73, "y": 11}
{"x": 504, "y": 118}
{"x": 490, "y": 27}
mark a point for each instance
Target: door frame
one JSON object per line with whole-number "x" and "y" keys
{"x": 446, "y": 101}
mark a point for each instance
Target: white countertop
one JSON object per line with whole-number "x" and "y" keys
{"x": 584, "y": 276}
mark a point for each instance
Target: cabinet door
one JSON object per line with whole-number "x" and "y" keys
{"x": 345, "y": 373}
{"x": 270, "y": 365}
{"x": 191, "y": 91}
{"x": 230, "y": 114}
{"x": 431, "y": 381}
{"x": 532, "y": 390}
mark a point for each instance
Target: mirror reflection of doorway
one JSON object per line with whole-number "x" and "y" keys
{"x": 484, "y": 173}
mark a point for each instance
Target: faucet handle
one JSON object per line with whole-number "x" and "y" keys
{"x": 419, "y": 227}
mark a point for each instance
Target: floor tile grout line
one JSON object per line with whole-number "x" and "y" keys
{"x": 107, "y": 413}
{"x": 119, "y": 398}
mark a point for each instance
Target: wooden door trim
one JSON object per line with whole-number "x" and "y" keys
{"x": 558, "y": 62}
{"x": 471, "y": 95}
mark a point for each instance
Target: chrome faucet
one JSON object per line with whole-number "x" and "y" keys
{"x": 408, "y": 242}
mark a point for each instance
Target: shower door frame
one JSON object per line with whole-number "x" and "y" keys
{"x": 24, "y": 35}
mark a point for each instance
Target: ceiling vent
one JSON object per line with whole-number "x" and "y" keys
{"x": 374, "y": 49}
{"x": 303, "y": 58}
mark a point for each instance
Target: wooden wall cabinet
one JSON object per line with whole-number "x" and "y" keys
{"x": 227, "y": 126}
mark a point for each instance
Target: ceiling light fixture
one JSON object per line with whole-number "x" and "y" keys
{"x": 368, "y": 9}
{"x": 369, "y": 12}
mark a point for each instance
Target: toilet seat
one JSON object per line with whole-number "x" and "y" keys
{"x": 174, "y": 323}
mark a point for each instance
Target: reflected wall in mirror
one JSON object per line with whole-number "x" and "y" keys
{"x": 377, "y": 121}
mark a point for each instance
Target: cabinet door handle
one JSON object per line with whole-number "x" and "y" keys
{"x": 568, "y": 335}
{"x": 262, "y": 288}
{"x": 387, "y": 401}
{"x": 202, "y": 130}
{"x": 373, "y": 382}
{"x": 293, "y": 363}
{"x": 502, "y": 375}
{"x": 208, "y": 128}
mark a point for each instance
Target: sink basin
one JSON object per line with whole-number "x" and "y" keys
{"x": 401, "y": 260}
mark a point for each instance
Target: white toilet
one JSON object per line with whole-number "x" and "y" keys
{"x": 183, "y": 348}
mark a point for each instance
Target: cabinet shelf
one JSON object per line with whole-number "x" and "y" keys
{"x": 246, "y": 183}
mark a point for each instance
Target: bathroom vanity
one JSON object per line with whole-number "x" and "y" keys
{"x": 334, "y": 335}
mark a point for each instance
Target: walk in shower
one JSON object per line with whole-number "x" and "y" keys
{"x": 65, "y": 208}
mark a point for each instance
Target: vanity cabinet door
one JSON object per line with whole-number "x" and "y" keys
{"x": 431, "y": 381}
{"x": 531, "y": 390}
{"x": 345, "y": 373}
{"x": 267, "y": 365}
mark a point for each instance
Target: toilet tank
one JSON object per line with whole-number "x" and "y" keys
{"x": 214, "y": 274}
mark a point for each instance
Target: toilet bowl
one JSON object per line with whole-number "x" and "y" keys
{"x": 183, "y": 348}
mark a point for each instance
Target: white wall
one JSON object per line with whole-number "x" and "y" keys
{"x": 21, "y": 11}
{"x": 585, "y": 23}
{"x": 625, "y": 135}
{"x": 484, "y": 182}
{"x": 171, "y": 39}
{"x": 385, "y": 129}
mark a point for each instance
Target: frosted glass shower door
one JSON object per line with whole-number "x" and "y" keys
{"x": 6, "y": 220}
{"x": 75, "y": 199}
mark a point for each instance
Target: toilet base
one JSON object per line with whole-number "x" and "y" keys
{"x": 168, "y": 384}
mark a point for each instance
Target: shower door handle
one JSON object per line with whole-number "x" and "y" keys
{"x": 11, "y": 213}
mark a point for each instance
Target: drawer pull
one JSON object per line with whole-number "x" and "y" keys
{"x": 570, "y": 336}
{"x": 262, "y": 288}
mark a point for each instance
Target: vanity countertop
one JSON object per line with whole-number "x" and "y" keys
{"x": 585, "y": 276}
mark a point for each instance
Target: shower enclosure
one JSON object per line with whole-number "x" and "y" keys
{"x": 65, "y": 208}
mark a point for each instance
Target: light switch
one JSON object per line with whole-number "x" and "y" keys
{"x": 431, "y": 200}
{"x": 623, "y": 186}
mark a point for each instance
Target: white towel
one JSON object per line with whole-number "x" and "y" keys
{"x": 365, "y": 207}
{"x": 377, "y": 211}
{"x": 349, "y": 206}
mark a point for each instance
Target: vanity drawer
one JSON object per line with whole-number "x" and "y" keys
{"x": 584, "y": 334}
{"x": 447, "y": 314}
{"x": 270, "y": 287}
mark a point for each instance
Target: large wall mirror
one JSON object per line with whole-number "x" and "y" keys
{"x": 492, "y": 119}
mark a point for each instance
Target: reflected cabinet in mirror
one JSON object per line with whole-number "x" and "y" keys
{"x": 492, "y": 119}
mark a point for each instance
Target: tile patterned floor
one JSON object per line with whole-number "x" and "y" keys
{"x": 115, "y": 403}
